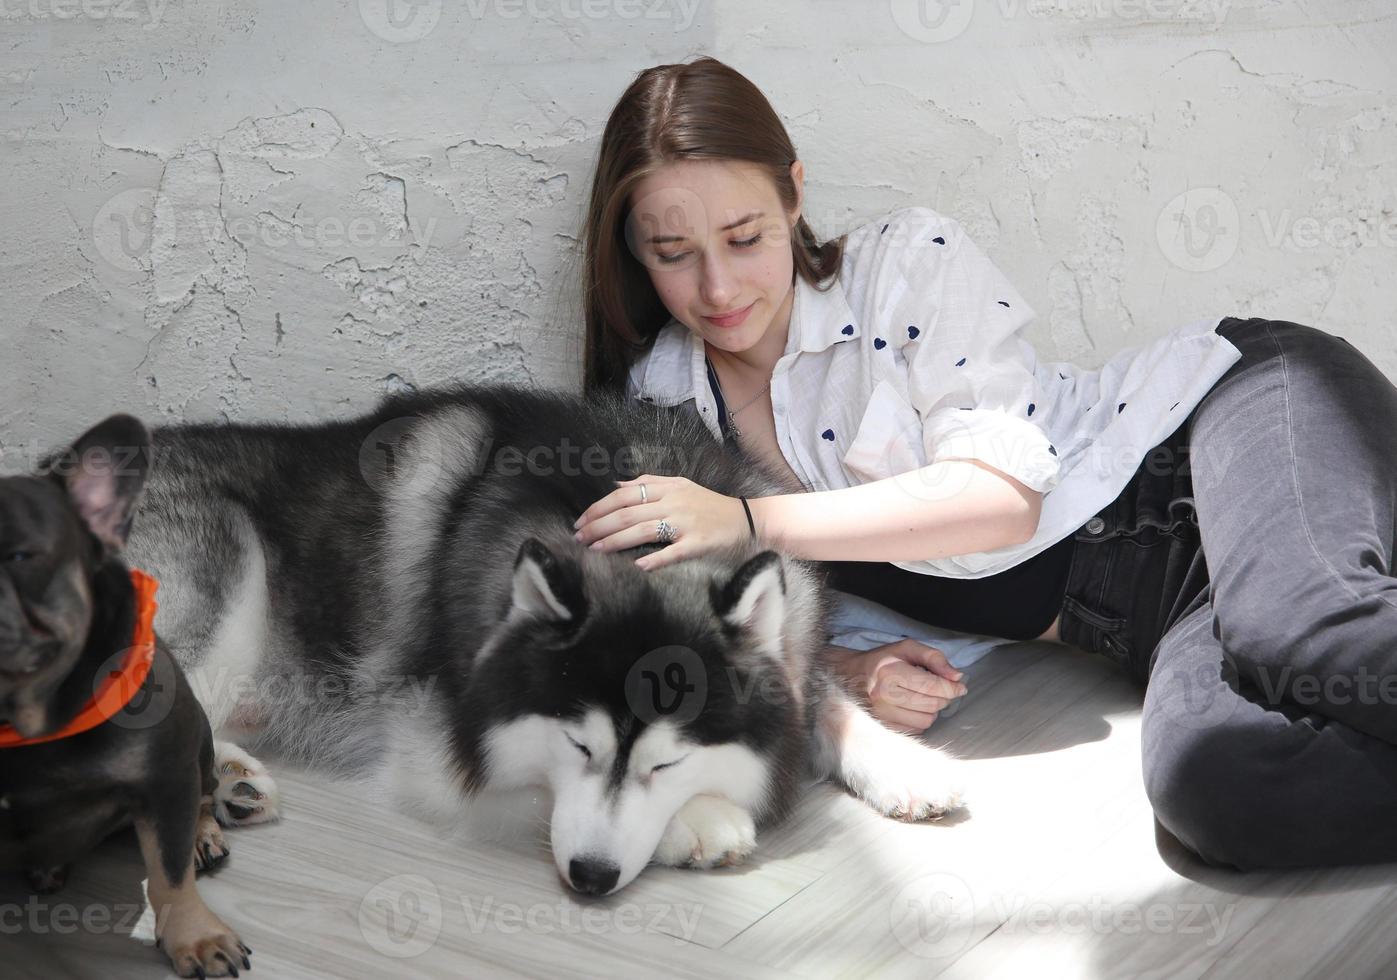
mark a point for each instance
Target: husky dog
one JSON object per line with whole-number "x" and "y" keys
{"x": 401, "y": 594}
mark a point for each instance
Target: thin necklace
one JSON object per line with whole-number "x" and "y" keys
{"x": 732, "y": 422}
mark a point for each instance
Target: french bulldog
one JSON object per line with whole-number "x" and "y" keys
{"x": 99, "y": 729}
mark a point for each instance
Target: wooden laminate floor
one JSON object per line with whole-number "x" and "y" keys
{"x": 1056, "y": 870}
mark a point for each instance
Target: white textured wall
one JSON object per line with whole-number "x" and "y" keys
{"x": 263, "y": 208}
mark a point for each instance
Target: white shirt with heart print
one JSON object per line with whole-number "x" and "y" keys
{"x": 914, "y": 356}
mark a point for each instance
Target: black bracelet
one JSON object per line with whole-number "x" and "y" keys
{"x": 750, "y": 526}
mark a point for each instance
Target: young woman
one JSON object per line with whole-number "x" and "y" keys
{"x": 951, "y": 475}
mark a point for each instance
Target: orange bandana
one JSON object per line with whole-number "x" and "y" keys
{"x": 120, "y": 685}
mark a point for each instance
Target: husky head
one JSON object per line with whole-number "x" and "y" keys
{"x": 629, "y": 692}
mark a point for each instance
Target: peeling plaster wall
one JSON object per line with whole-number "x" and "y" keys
{"x": 261, "y": 209}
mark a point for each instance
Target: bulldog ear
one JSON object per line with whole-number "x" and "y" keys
{"x": 104, "y": 473}
{"x": 545, "y": 587}
{"x": 754, "y": 599}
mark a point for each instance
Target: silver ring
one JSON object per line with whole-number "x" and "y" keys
{"x": 644, "y": 498}
{"x": 665, "y": 532}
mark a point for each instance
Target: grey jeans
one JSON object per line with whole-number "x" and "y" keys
{"x": 1246, "y": 577}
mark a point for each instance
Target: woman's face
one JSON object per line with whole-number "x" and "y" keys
{"x": 717, "y": 244}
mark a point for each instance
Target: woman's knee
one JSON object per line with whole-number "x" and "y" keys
{"x": 1198, "y": 795}
{"x": 1203, "y": 767}
{"x": 1262, "y": 340}
{"x": 1318, "y": 351}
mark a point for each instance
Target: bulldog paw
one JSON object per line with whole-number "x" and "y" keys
{"x": 707, "y": 832}
{"x": 200, "y": 945}
{"x": 246, "y": 793}
{"x": 46, "y": 881}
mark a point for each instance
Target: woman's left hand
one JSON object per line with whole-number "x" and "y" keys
{"x": 703, "y": 520}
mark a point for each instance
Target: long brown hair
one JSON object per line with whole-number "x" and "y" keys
{"x": 700, "y": 110}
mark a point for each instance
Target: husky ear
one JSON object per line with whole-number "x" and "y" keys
{"x": 755, "y": 599}
{"x": 104, "y": 472}
{"x": 545, "y": 587}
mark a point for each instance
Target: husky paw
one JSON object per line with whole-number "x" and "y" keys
{"x": 897, "y": 775}
{"x": 46, "y": 881}
{"x": 707, "y": 832}
{"x": 913, "y": 803}
{"x": 246, "y": 794}
{"x": 907, "y": 781}
{"x": 209, "y": 846}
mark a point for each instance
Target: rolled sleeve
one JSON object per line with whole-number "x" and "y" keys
{"x": 971, "y": 376}
{"x": 1019, "y": 449}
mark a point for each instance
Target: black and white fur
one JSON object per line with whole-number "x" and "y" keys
{"x": 390, "y": 595}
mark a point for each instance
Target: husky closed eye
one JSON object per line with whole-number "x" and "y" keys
{"x": 666, "y": 765}
{"x": 580, "y": 747}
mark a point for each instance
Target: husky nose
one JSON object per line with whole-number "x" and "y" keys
{"x": 592, "y": 877}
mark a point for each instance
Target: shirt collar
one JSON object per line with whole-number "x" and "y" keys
{"x": 820, "y": 318}
{"x": 672, "y": 371}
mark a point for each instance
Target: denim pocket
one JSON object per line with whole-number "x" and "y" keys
{"x": 1095, "y": 631}
{"x": 1091, "y": 617}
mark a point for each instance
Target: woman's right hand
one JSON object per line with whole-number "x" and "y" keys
{"x": 907, "y": 683}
